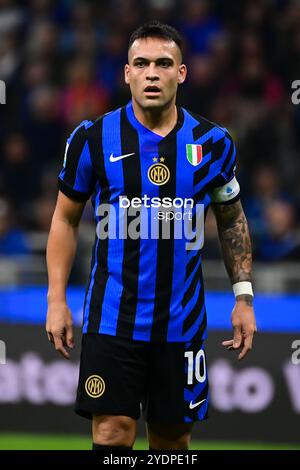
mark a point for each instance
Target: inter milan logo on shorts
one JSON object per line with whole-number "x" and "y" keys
{"x": 95, "y": 386}
{"x": 159, "y": 174}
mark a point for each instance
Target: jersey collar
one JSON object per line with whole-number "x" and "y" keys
{"x": 142, "y": 129}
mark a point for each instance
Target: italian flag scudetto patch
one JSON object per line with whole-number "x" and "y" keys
{"x": 194, "y": 154}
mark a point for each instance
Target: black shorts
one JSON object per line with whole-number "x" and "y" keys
{"x": 118, "y": 376}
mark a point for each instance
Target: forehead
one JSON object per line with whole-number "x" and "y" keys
{"x": 154, "y": 48}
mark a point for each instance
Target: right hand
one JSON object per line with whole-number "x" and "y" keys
{"x": 59, "y": 327}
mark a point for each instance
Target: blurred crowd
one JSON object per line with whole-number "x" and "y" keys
{"x": 62, "y": 62}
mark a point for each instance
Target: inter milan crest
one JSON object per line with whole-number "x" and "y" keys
{"x": 159, "y": 173}
{"x": 95, "y": 386}
{"x": 194, "y": 154}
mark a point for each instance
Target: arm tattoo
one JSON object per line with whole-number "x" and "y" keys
{"x": 235, "y": 242}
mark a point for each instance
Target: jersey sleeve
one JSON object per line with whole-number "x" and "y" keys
{"x": 76, "y": 179}
{"x": 226, "y": 189}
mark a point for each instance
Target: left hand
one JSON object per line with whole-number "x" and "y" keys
{"x": 244, "y": 328}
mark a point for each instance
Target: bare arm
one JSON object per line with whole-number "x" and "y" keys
{"x": 236, "y": 248}
{"x": 61, "y": 249}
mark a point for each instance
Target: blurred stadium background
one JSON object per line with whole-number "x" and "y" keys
{"x": 62, "y": 62}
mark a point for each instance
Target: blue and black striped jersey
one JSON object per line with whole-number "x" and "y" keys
{"x": 145, "y": 287}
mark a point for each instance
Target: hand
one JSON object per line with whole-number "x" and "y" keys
{"x": 244, "y": 328}
{"x": 59, "y": 327}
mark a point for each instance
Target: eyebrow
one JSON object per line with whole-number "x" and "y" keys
{"x": 149, "y": 60}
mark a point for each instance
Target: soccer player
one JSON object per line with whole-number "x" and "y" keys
{"x": 144, "y": 327}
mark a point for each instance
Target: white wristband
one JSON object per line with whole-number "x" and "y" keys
{"x": 242, "y": 288}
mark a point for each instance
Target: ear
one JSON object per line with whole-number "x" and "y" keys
{"x": 126, "y": 74}
{"x": 182, "y": 72}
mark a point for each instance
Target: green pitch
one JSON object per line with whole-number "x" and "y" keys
{"x": 63, "y": 442}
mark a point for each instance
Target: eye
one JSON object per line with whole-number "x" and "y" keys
{"x": 140, "y": 64}
{"x": 165, "y": 64}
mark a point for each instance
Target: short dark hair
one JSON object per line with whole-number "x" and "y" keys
{"x": 156, "y": 29}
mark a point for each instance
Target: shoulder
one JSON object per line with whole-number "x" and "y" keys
{"x": 205, "y": 126}
{"x": 88, "y": 127}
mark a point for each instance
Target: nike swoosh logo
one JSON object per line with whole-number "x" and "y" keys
{"x": 193, "y": 405}
{"x": 116, "y": 159}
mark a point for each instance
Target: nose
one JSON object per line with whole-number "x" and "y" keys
{"x": 152, "y": 74}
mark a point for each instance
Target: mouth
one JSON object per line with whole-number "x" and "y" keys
{"x": 152, "y": 90}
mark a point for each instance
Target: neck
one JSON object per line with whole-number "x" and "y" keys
{"x": 161, "y": 121}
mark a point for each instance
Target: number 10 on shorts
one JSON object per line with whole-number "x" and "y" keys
{"x": 196, "y": 366}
